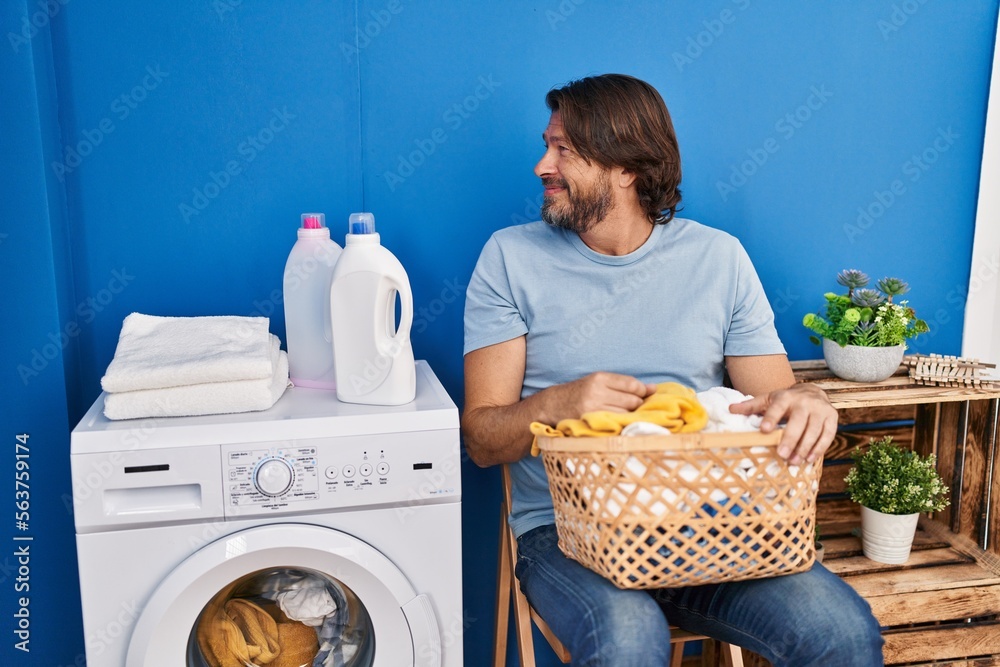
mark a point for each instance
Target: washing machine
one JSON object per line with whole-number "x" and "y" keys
{"x": 314, "y": 533}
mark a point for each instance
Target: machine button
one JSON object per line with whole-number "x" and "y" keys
{"x": 382, "y": 469}
{"x": 349, "y": 471}
{"x": 332, "y": 472}
{"x": 273, "y": 477}
{"x": 365, "y": 469}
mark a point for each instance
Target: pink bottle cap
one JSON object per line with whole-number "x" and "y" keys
{"x": 313, "y": 220}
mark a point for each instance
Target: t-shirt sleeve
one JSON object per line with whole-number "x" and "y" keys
{"x": 491, "y": 315}
{"x": 751, "y": 331}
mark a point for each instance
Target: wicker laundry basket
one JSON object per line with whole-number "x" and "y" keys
{"x": 682, "y": 510}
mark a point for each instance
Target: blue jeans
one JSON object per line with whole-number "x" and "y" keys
{"x": 799, "y": 620}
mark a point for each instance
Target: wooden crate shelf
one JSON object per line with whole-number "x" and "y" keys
{"x": 942, "y": 607}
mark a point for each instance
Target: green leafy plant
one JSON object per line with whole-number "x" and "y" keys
{"x": 865, "y": 316}
{"x": 892, "y": 479}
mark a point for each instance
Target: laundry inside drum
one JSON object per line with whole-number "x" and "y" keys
{"x": 283, "y": 617}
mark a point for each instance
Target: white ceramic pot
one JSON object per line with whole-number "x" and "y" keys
{"x": 887, "y": 538}
{"x": 862, "y": 364}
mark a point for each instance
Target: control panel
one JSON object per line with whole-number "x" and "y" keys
{"x": 331, "y": 473}
{"x": 274, "y": 475}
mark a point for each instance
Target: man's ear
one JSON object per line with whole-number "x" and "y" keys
{"x": 625, "y": 178}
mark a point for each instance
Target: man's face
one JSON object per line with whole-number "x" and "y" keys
{"x": 577, "y": 195}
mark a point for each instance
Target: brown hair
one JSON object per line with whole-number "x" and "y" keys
{"x": 618, "y": 120}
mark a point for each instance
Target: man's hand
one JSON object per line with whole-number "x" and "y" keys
{"x": 810, "y": 420}
{"x": 496, "y": 421}
{"x": 597, "y": 391}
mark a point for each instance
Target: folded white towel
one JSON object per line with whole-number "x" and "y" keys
{"x": 208, "y": 398}
{"x": 158, "y": 352}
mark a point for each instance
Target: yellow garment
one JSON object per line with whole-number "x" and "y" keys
{"x": 578, "y": 428}
{"x": 299, "y": 645}
{"x": 673, "y": 406}
{"x": 237, "y": 634}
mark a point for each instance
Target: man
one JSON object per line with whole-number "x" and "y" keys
{"x": 586, "y": 311}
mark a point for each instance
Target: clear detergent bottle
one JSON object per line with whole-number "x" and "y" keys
{"x": 373, "y": 357}
{"x": 306, "y": 288}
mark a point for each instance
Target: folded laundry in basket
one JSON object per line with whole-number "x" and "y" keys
{"x": 158, "y": 352}
{"x": 673, "y": 406}
{"x": 208, "y": 398}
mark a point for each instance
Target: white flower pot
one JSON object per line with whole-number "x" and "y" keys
{"x": 887, "y": 538}
{"x": 862, "y": 364}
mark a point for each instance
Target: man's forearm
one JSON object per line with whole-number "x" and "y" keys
{"x": 500, "y": 434}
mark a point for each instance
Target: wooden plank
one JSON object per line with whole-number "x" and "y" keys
{"x": 927, "y": 606}
{"x": 941, "y": 578}
{"x": 809, "y": 364}
{"x": 846, "y": 441}
{"x": 855, "y": 565}
{"x": 947, "y": 450}
{"x": 879, "y": 413}
{"x": 834, "y": 385}
{"x": 925, "y": 429}
{"x": 836, "y": 511}
{"x": 845, "y": 545}
{"x": 915, "y": 395}
{"x": 974, "y": 477}
{"x": 941, "y": 643}
{"x": 832, "y": 480}
{"x": 992, "y": 526}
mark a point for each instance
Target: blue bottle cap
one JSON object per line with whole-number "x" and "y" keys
{"x": 361, "y": 223}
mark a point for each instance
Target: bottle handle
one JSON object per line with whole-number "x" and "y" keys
{"x": 405, "y": 311}
{"x": 392, "y": 333}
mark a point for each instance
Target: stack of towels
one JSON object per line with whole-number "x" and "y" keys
{"x": 184, "y": 366}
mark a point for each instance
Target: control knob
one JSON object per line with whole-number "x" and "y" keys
{"x": 273, "y": 476}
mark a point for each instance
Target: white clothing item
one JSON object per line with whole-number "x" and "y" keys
{"x": 716, "y": 402}
{"x": 309, "y": 605}
{"x": 208, "y": 398}
{"x": 159, "y": 352}
{"x": 645, "y": 428}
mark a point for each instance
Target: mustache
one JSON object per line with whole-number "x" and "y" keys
{"x": 554, "y": 182}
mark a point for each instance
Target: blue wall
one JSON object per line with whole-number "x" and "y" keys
{"x": 157, "y": 159}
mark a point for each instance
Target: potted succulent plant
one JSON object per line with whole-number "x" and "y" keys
{"x": 863, "y": 332}
{"x": 893, "y": 485}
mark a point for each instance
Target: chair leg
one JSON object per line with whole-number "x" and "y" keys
{"x": 676, "y": 654}
{"x": 522, "y": 612}
{"x": 504, "y": 577}
{"x": 732, "y": 655}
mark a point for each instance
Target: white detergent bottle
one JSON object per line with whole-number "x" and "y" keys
{"x": 306, "y": 288}
{"x": 373, "y": 358}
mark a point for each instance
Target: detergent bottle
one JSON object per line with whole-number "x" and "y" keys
{"x": 306, "y": 292}
{"x": 373, "y": 358}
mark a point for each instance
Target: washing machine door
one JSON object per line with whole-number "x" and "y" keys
{"x": 191, "y": 620}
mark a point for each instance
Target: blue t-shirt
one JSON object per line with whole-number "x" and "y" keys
{"x": 669, "y": 311}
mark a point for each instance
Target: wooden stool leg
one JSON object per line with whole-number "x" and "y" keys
{"x": 522, "y": 612}
{"x": 504, "y": 576}
{"x": 732, "y": 655}
{"x": 676, "y": 654}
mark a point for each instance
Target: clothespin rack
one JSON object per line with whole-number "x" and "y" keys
{"x": 947, "y": 371}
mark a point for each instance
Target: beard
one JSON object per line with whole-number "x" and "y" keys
{"x": 584, "y": 208}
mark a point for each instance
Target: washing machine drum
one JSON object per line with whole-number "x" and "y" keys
{"x": 287, "y": 595}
